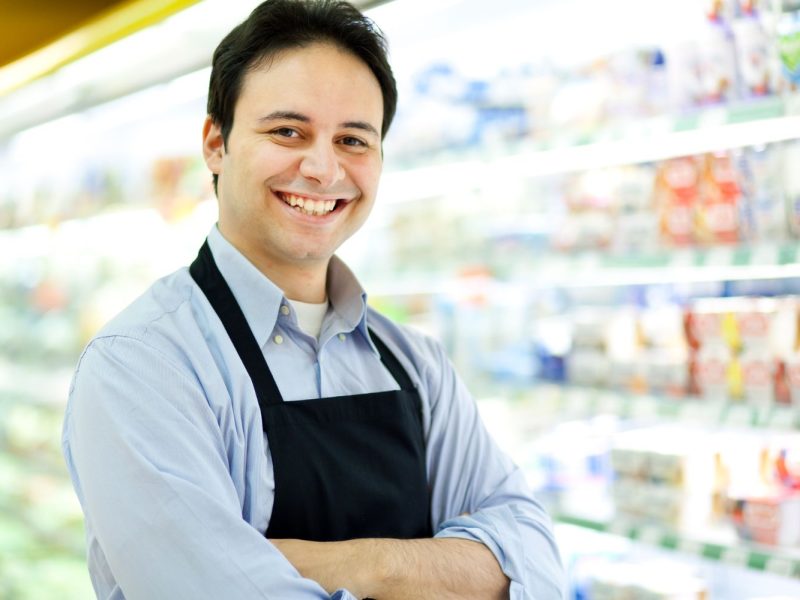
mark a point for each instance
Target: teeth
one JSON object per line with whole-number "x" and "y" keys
{"x": 309, "y": 206}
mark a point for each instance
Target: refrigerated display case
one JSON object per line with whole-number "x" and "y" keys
{"x": 593, "y": 207}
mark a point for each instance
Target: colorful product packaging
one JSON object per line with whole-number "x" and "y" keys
{"x": 762, "y": 214}
{"x": 716, "y": 217}
{"x": 676, "y": 193}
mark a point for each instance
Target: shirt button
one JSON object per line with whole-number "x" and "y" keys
{"x": 342, "y": 336}
{"x": 284, "y": 310}
{"x": 278, "y": 339}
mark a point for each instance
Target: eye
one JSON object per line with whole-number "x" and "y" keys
{"x": 286, "y": 132}
{"x": 354, "y": 142}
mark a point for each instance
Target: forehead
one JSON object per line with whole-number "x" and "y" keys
{"x": 316, "y": 76}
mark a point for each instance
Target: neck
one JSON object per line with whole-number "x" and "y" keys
{"x": 304, "y": 281}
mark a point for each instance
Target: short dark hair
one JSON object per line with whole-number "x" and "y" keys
{"x": 277, "y": 25}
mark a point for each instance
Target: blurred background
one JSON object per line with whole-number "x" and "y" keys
{"x": 595, "y": 207}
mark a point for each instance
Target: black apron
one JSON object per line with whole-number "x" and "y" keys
{"x": 345, "y": 467}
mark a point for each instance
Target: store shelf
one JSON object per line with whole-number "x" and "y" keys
{"x": 581, "y": 401}
{"x": 755, "y": 123}
{"x": 759, "y": 261}
{"x": 772, "y": 560}
{"x": 688, "y": 265}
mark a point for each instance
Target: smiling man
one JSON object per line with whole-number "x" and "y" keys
{"x": 249, "y": 427}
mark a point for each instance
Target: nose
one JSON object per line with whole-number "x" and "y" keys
{"x": 321, "y": 164}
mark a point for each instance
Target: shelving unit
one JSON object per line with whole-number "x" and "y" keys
{"x": 757, "y": 122}
{"x": 566, "y": 401}
{"x": 771, "y": 560}
{"x": 483, "y": 290}
{"x": 428, "y": 179}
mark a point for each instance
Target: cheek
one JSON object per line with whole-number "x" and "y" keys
{"x": 366, "y": 176}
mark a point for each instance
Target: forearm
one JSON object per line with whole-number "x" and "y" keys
{"x": 387, "y": 569}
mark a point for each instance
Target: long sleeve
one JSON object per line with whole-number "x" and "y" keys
{"x": 470, "y": 474}
{"x": 152, "y": 471}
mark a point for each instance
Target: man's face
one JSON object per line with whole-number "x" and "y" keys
{"x": 299, "y": 172}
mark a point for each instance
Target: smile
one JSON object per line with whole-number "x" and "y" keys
{"x": 316, "y": 208}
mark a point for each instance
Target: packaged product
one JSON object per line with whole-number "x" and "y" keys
{"x": 717, "y": 62}
{"x": 587, "y": 366}
{"x": 650, "y": 580}
{"x": 716, "y": 215}
{"x": 589, "y": 222}
{"x": 791, "y": 185}
{"x": 789, "y": 46}
{"x": 792, "y": 369}
{"x": 753, "y": 54}
{"x": 758, "y": 371}
{"x": 657, "y": 481}
{"x": 666, "y": 372}
{"x": 684, "y": 76}
{"x": 762, "y": 211}
{"x": 676, "y": 194}
{"x": 720, "y": 10}
{"x": 657, "y": 83}
{"x": 711, "y": 321}
{"x": 636, "y": 223}
{"x": 715, "y": 372}
{"x": 771, "y": 518}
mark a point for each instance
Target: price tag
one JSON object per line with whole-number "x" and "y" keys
{"x": 682, "y": 258}
{"x": 619, "y": 527}
{"x": 780, "y": 566}
{"x": 792, "y": 104}
{"x": 588, "y": 262}
{"x": 721, "y": 256}
{"x": 610, "y": 403}
{"x": 693, "y": 547}
{"x": 740, "y": 415}
{"x": 713, "y": 117}
{"x": 735, "y": 557}
{"x": 765, "y": 254}
{"x": 650, "y": 535}
{"x": 782, "y": 418}
{"x": 698, "y": 412}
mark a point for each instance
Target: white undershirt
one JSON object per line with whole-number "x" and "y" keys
{"x": 310, "y": 316}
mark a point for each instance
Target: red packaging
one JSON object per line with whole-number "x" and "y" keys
{"x": 677, "y": 188}
{"x": 717, "y": 214}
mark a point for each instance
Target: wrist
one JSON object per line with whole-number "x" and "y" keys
{"x": 373, "y": 564}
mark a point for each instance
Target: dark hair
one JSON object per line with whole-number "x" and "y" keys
{"x": 277, "y": 25}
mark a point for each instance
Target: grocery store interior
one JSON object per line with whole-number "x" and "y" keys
{"x": 594, "y": 206}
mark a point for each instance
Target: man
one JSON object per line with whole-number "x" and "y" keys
{"x": 249, "y": 428}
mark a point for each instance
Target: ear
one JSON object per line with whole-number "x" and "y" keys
{"x": 213, "y": 146}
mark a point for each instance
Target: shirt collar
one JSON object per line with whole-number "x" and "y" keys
{"x": 348, "y": 299}
{"x": 261, "y": 300}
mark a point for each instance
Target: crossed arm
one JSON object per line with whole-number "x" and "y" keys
{"x": 386, "y": 569}
{"x": 160, "y": 525}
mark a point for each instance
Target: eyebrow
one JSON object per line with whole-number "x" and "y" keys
{"x": 295, "y": 116}
{"x": 363, "y": 125}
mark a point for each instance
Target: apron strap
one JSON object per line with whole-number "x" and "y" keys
{"x": 393, "y": 365}
{"x": 205, "y": 272}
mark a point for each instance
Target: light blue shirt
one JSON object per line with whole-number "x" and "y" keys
{"x": 163, "y": 441}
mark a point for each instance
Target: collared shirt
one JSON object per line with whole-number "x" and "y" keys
{"x": 163, "y": 440}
